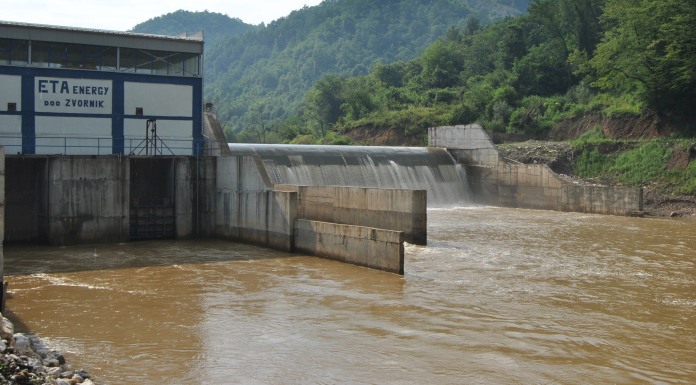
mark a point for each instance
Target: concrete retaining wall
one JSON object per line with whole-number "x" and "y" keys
{"x": 195, "y": 195}
{"x": 496, "y": 182}
{"x": 391, "y": 209}
{"x": 364, "y": 246}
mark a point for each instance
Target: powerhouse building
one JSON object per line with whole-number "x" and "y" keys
{"x": 78, "y": 91}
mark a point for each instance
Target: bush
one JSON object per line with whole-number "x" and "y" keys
{"x": 335, "y": 139}
{"x": 617, "y": 106}
{"x": 591, "y": 163}
{"x": 304, "y": 139}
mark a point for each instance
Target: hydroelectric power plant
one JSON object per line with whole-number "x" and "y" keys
{"x": 136, "y": 237}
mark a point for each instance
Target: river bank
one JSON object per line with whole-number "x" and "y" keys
{"x": 25, "y": 360}
{"x": 660, "y": 198}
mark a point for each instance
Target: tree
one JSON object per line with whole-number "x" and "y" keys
{"x": 649, "y": 48}
{"x": 441, "y": 64}
{"x": 323, "y": 103}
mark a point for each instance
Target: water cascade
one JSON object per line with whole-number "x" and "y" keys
{"x": 415, "y": 168}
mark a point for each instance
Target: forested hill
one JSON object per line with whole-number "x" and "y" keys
{"x": 625, "y": 67}
{"x": 259, "y": 78}
{"x": 215, "y": 26}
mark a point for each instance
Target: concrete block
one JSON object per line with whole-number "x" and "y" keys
{"x": 364, "y": 246}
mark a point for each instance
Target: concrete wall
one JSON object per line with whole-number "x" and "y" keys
{"x": 194, "y": 195}
{"x": 364, "y": 246}
{"x": 391, "y": 209}
{"x": 88, "y": 199}
{"x": 496, "y": 182}
{"x": 204, "y": 200}
{"x": 246, "y": 210}
{"x": 85, "y": 199}
{"x": 2, "y": 228}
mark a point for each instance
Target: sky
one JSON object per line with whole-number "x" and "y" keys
{"x": 122, "y": 15}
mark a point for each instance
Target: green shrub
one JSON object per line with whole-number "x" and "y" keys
{"x": 617, "y": 106}
{"x": 335, "y": 139}
{"x": 304, "y": 139}
{"x": 591, "y": 163}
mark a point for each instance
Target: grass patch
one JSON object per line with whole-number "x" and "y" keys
{"x": 687, "y": 182}
{"x": 646, "y": 163}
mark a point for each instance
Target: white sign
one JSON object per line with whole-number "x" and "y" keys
{"x": 73, "y": 96}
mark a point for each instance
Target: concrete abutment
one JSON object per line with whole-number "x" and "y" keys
{"x": 534, "y": 186}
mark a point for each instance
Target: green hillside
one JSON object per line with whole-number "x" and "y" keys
{"x": 565, "y": 61}
{"x": 214, "y": 26}
{"x": 258, "y": 76}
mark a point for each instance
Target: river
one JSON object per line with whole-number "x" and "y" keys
{"x": 499, "y": 296}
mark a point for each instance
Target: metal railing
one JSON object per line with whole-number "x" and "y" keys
{"x": 86, "y": 145}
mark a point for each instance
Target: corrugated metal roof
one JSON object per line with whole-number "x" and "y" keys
{"x": 198, "y": 36}
{"x": 74, "y": 35}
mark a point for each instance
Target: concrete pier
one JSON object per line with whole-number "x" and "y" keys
{"x": 374, "y": 248}
{"x": 390, "y": 209}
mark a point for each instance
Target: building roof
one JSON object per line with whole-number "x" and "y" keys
{"x": 41, "y": 32}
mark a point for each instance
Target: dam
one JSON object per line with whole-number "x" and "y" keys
{"x": 367, "y": 201}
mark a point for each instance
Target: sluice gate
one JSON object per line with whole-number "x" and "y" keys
{"x": 152, "y": 199}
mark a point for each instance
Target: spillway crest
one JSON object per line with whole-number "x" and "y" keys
{"x": 414, "y": 168}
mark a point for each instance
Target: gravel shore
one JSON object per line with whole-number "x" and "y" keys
{"x": 25, "y": 360}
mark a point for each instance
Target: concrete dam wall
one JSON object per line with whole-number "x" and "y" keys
{"x": 412, "y": 168}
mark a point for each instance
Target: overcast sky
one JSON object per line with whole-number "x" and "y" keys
{"x": 122, "y": 15}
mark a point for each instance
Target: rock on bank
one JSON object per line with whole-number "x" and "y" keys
{"x": 26, "y": 361}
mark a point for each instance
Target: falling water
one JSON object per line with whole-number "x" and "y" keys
{"x": 415, "y": 168}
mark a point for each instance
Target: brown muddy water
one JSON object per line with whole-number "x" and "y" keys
{"x": 499, "y": 296}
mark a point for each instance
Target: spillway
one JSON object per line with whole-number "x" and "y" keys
{"x": 414, "y": 168}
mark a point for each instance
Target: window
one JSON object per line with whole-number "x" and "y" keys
{"x": 191, "y": 64}
{"x": 98, "y": 58}
{"x": 155, "y": 62}
{"x": 14, "y": 52}
{"x": 40, "y": 53}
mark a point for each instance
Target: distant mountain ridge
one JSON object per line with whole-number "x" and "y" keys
{"x": 258, "y": 75}
{"x": 214, "y": 26}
